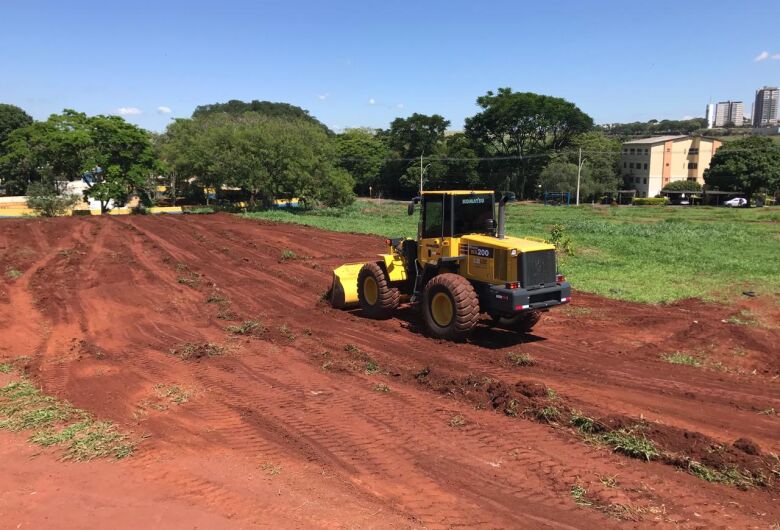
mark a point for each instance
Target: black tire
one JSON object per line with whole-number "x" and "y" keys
{"x": 464, "y": 306}
{"x": 522, "y": 322}
{"x": 378, "y": 301}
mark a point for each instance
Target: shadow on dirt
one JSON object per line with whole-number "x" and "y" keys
{"x": 484, "y": 335}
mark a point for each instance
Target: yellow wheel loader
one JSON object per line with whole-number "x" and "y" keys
{"x": 461, "y": 265}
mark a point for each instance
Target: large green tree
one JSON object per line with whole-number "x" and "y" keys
{"x": 11, "y": 118}
{"x": 272, "y": 109}
{"x": 523, "y": 124}
{"x": 67, "y": 145}
{"x": 362, "y": 153}
{"x": 748, "y": 165}
{"x": 268, "y": 157}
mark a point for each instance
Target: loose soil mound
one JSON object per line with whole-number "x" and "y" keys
{"x": 300, "y": 415}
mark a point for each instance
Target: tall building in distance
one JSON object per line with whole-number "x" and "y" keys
{"x": 765, "y": 107}
{"x": 729, "y": 113}
{"x": 710, "y": 115}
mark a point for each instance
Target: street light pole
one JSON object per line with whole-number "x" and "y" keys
{"x": 579, "y": 174}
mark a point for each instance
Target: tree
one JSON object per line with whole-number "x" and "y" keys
{"x": 235, "y": 107}
{"x": 416, "y": 135}
{"x": 268, "y": 157}
{"x": 67, "y": 145}
{"x": 47, "y": 200}
{"x": 519, "y": 124}
{"x": 11, "y": 118}
{"x": 682, "y": 185}
{"x": 601, "y": 163}
{"x": 561, "y": 176}
{"x": 362, "y": 154}
{"x": 748, "y": 165}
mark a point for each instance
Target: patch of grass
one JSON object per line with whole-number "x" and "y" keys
{"x": 520, "y": 359}
{"x": 609, "y": 481}
{"x": 53, "y": 422}
{"x": 216, "y": 298}
{"x": 584, "y": 423}
{"x": 6, "y": 368}
{"x": 457, "y": 421}
{"x": 288, "y": 254}
{"x": 270, "y": 468}
{"x": 634, "y": 248}
{"x": 731, "y": 475}
{"x": 768, "y": 412}
{"x": 173, "y": 393}
{"x": 287, "y": 332}
{"x": 190, "y": 350}
{"x": 512, "y": 408}
{"x": 580, "y": 495}
{"x": 548, "y": 413}
{"x": 246, "y": 327}
{"x": 226, "y": 313}
{"x": 629, "y": 443}
{"x": 744, "y": 318}
{"x": 372, "y": 367}
{"x": 13, "y": 273}
{"x": 682, "y": 358}
{"x": 351, "y": 348}
{"x": 381, "y": 387}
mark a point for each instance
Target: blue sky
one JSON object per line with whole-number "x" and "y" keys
{"x": 364, "y": 63}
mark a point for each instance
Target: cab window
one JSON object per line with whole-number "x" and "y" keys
{"x": 433, "y": 215}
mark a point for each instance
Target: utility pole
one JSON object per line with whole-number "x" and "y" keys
{"x": 579, "y": 174}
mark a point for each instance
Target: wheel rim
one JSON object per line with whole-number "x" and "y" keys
{"x": 441, "y": 309}
{"x": 370, "y": 290}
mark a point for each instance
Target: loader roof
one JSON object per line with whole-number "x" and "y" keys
{"x": 457, "y": 192}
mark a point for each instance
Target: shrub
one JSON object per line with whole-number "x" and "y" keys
{"x": 649, "y": 201}
{"x": 47, "y": 201}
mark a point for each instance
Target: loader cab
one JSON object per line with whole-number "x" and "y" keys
{"x": 445, "y": 215}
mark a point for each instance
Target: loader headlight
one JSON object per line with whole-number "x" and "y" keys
{"x": 514, "y": 252}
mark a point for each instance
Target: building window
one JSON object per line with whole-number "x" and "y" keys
{"x": 632, "y": 151}
{"x": 667, "y": 164}
{"x": 694, "y": 151}
{"x": 645, "y": 165}
{"x": 693, "y": 165}
{"x": 645, "y": 151}
{"x": 631, "y": 165}
{"x": 624, "y": 165}
{"x": 645, "y": 180}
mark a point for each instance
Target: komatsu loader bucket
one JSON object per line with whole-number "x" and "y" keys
{"x": 343, "y": 292}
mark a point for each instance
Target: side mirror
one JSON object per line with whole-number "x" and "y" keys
{"x": 410, "y": 208}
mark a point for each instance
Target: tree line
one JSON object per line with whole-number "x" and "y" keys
{"x": 260, "y": 151}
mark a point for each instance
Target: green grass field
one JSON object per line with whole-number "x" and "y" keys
{"x": 645, "y": 254}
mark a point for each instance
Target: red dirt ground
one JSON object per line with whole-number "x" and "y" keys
{"x": 287, "y": 429}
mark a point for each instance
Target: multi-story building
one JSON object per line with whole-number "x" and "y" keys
{"x": 650, "y": 164}
{"x": 729, "y": 113}
{"x": 766, "y": 106}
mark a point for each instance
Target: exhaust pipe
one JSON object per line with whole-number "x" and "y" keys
{"x": 501, "y": 230}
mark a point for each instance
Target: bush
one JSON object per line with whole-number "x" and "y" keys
{"x": 649, "y": 201}
{"x": 47, "y": 201}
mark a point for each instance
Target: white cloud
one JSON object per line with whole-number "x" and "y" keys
{"x": 761, "y": 56}
{"x": 399, "y": 106}
{"x": 162, "y": 109}
{"x": 128, "y": 111}
{"x": 323, "y": 97}
{"x": 775, "y": 57}
{"x": 371, "y": 101}
{"x": 687, "y": 117}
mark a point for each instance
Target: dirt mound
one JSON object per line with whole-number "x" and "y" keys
{"x": 259, "y": 404}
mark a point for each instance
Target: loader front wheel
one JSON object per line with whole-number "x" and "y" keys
{"x": 377, "y": 299}
{"x": 450, "y": 306}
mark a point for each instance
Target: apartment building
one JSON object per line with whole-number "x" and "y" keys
{"x": 650, "y": 164}
{"x": 729, "y": 113}
{"x": 765, "y": 109}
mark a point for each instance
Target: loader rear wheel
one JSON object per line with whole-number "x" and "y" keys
{"x": 377, "y": 299}
{"x": 522, "y": 322}
{"x": 450, "y": 306}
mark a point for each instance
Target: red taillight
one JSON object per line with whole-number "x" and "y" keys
{"x": 387, "y": 242}
{"x": 560, "y": 278}
{"x": 513, "y": 285}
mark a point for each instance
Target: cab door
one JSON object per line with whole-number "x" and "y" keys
{"x": 432, "y": 228}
